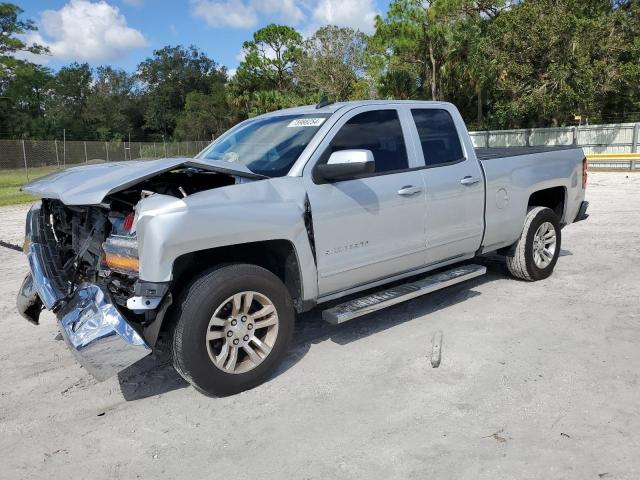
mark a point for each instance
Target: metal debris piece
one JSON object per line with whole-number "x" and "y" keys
{"x": 436, "y": 352}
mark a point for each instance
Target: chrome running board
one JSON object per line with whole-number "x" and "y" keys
{"x": 385, "y": 298}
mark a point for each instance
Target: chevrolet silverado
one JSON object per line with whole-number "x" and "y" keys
{"x": 310, "y": 207}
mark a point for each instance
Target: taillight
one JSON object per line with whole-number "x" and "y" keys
{"x": 585, "y": 168}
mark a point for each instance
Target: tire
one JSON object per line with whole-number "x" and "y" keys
{"x": 215, "y": 292}
{"x": 522, "y": 261}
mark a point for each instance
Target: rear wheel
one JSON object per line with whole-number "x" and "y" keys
{"x": 234, "y": 325}
{"x": 535, "y": 254}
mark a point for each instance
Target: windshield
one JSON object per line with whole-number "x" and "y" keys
{"x": 268, "y": 146}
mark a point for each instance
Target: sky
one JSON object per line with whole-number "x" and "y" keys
{"x": 122, "y": 33}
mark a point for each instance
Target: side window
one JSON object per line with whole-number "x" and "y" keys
{"x": 378, "y": 131}
{"x": 438, "y": 136}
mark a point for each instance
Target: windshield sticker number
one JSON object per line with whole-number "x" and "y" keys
{"x": 306, "y": 122}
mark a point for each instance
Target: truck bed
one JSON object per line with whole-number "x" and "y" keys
{"x": 501, "y": 152}
{"x": 513, "y": 174}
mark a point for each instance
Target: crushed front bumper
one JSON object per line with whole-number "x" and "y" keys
{"x": 98, "y": 335}
{"x": 96, "y": 332}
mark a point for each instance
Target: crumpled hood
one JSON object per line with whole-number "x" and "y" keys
{"x": 90, "y": 184}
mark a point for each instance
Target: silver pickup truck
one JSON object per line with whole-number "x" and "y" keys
{"x": 317, "y": 206}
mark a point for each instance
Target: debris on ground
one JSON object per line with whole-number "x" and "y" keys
{"x": 436, "y": 352}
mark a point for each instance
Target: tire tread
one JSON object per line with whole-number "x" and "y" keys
{"x": 517, "y": 263}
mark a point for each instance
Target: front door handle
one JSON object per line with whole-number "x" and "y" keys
{"x": 469, "y": 180}
{"x": 409, "y": 190}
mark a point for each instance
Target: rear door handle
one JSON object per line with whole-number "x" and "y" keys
{"x": 409, "y": 190}
{"x": 469, "y": 180}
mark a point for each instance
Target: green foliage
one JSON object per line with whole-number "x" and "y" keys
{"x": 204, "y": 115}
{"x": 169, "y": 76}
{"x": 332, "y": 62}
{"x": 502, "y": 63}
{"x": 269, "y": 59}
{"x": 11, "y": 30}
{"x": 556, "y": 59}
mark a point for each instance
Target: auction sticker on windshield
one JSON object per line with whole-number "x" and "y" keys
{"x": 306, "y": 122}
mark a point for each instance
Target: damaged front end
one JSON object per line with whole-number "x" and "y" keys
{"x": 68, "y": 276}
{"x": 85, "y": 267}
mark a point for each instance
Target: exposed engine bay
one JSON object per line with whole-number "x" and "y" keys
{"x": 98, "y": 243}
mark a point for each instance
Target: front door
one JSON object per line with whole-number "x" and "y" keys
{"x": 371, "y": 227}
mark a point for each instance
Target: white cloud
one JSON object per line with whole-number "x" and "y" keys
{"x": 305, "y": 14}
{"x": 357, "y": 14}
{"x": 285, "y": 10}
{"x": 230, "y": 13}
{"x": 246, "y": 13}
{"x": 86, "y": 30}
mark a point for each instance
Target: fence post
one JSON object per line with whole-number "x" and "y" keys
{"x": 124, "y": 149}
{"x": 575, "y": 135}
{"x": 106, "y": 149}
{"x": 486, "y": 139}
{"x": 636, "y": 134}
{"x": 64, "y": 147}
{"x": 86, "y": 158}
{"x": 24, "y": 155}
{"x": 57, "y": 158}
{"x": 527, "y": 135}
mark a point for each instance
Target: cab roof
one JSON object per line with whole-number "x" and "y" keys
{"x": 334, "y": 107}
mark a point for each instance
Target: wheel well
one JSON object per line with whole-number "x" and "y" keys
{"x": 277, "y": 256}
{"x": 552, "y": 198}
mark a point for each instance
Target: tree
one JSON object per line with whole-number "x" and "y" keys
{"x": 398, "y": 84}
{"x": 573, "y": 62}
{"x": 168, "y": 77}
{"x": 113, "y": 107}
{"x": 11, "y": 28}
{"x": 204, "y": 115}
{"x": 417, "y": 36}
{"x": 332, "y": 61}
{"x": 22, "y": 102}
{"x": 20, "y": 107}
{"x": 66, "y": 103}
{"x": 269, "y": 59}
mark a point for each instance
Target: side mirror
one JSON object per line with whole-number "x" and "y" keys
{"x": 346, "y": 164}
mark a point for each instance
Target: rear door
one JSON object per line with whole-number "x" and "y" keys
{"x": 454, "y": 185}
{"x": 371, "y": 227}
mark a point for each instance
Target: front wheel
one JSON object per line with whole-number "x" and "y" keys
{"x": 535, "y": 254}
{"x": 234, "y": 325}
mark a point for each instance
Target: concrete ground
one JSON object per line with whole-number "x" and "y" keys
{"x": 538, "y": 380}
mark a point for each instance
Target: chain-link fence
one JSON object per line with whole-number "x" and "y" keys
{"x": 595, "y": 139}
{"x": 35, "y": 157}
{"x": 607, "y": 146}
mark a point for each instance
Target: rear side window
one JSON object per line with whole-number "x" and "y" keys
{"x": 378, "y": 131}
{"x": 438, "y": 136}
